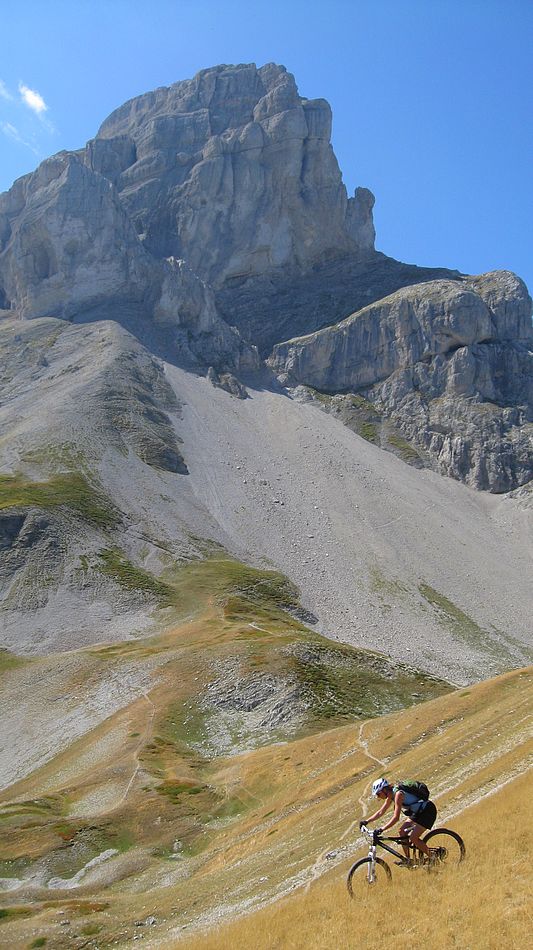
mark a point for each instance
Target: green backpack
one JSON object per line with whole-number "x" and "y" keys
{"x": 419, "y": 789}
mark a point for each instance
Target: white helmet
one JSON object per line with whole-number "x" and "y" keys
{"x": 380, "y": 785}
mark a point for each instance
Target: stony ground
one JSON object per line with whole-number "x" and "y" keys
{"x": 386, "y": 556}
{"x": 158, "y": 463}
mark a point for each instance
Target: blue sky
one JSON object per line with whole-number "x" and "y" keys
{"x": 432, "y": 99}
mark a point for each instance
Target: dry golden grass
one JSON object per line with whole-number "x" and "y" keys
{"x": 288, "y": 804}
{"x": 484, "y": 904}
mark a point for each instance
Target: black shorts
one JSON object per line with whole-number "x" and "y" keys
{"x": 426, "y": 816}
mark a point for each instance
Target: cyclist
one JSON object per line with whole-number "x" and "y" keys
{"x": 421, "y": 813}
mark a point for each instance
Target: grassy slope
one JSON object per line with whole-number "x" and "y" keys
{"x": 151, "y": 781}
{"x": 254, "y": 826}
{"x": 472, "y": 742}
{"x": 485, "y": 904}
{"x": 69, "y": 490}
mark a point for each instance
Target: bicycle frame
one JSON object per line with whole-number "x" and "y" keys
{"x": 377, "y": 839}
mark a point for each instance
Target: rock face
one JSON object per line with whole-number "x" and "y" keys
{"x": 449, "y": 362}
{"x": 269, "y": 311}
{"x": 210, "y": 218}
{"x": 234, "y": 172}
{"x": 69, "y": 250}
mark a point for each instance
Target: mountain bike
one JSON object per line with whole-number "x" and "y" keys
{"x": 446, "y": 848}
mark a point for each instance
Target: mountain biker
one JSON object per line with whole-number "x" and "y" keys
{"x": 421, "y": 813}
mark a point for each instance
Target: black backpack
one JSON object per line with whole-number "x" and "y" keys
{"x": 419, "y": 789}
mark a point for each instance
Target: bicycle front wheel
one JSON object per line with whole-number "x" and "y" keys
{"x": 446, "y": 847}
{"x": 358, "y": 876}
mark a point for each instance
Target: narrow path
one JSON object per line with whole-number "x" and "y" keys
{"x": 144, "y": 738}
{"x": 315, "y": 870}
{"x": 362, "y": 800}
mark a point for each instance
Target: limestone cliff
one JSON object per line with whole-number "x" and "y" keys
{"x": 210, "y": 218}
{"x": 234, "y": 171}
{"x": 68, "y": 249}
{"x": 449, "y": 362}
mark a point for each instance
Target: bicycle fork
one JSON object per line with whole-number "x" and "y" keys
{"x": 371, "y": 872}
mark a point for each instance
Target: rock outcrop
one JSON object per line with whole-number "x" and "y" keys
{"x": 233, "y": 171}
{"x": 449, "y": 362}
{"x": 69, "y": 250}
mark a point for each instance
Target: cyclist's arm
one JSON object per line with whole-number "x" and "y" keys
{"x": 386, "y": 804}
{"x": 398, "y": 802}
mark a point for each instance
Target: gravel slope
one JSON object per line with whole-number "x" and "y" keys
{"x": 386, "y": 557}
{"x": 359, "y": 531}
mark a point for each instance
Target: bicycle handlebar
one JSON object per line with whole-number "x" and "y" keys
{"x": 377, "y": 835}
{"x": 370, "y": 834}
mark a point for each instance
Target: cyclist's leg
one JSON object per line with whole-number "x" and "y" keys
{"x": 415, "y": 836}
{"x": 426, "y": 819}
{"x": 405, "y": 831}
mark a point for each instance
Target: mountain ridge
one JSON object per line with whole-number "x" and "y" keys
{"x": 217, "y": 203}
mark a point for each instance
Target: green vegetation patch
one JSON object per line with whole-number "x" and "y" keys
{"x": 13, "y": 913}
{"x": 14, "y": 867}
{"x": 380, "y": 584}
{"x": 336, "y": 401}
{"x": 354, "y": 411}
{"x": 90, "y": 930}
{"x": 46, "y": 806}
{"x": 10, "y": 661}
{"x": 340, "y": 682}
{"x": 66, "y": 456}
{"x": 225, "y": 578}
{"x": 84, "y": 842}
{"x": 368, "y": 430}
{"x": 245, "y": 593}
{"x": 364, "y": 418}
{"x": 115, "y": 565}
{"x": 69, "y": 490}
{"x": 175, "y": 790}
{"x": 183, "y": 729}
{"x": 407, "y": 452}
{"x": 465, "y": 628}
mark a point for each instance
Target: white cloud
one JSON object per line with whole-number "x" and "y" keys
{"x": 32, "y": 99}
{"x": 4, "y": 91}
{"x": 13, "y": 133}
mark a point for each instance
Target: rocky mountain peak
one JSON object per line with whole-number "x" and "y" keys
{"x": 234, "y": 171}
{"x": 210, "y": 217}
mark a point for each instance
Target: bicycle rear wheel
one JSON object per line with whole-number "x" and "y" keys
{"x": 357, "y": 881}
{"x": 446, "y": 847}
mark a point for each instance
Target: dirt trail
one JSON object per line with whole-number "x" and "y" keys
{"x": 146, "y": 736}
{"x": 364, "y": 745}
{"x": 328, "y": 855}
